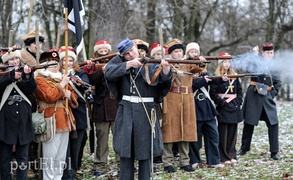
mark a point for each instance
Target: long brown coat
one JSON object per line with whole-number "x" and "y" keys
{"x": 179, "y": 120}
{"x": 48, "y": 92}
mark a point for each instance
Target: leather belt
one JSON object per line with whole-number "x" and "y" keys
{"x": 254, "y": 84}
{"x": 136, "y": 99}
{"x": 15, "y": 98}
{"x": 181, "y": 90}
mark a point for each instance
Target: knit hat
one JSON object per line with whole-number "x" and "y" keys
{"x": 30, "y": 38}
{"x": 192, "y": 45}
{"x": 102, "y": 44}
{"x": 223, "y": 54}
{"x": 141, "y": 44}
{"x": 173, "y": 44}
{"x": 267, "y": 46}
{"x": 51, "y": 55}
{"x": 155, "y": 48}
{"x": 124, "y": 46}
{"x": 6, "y": 55}
{"x": 71, "y": 52}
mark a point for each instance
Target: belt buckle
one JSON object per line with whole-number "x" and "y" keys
{"x": 186, "y": 89}
{"x": 17, "y": 98}
{"x": 134, "y": 99}
{"x": 200, "y": 97}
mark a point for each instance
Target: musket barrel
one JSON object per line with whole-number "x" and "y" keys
{"x": 9, "y": 49}
{"x": 212, "y": 58}
{"x": 102, "y": 59}
{"x": 174, "y": 61}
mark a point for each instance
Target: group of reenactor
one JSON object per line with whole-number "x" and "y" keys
{"x": 156, "y": 109}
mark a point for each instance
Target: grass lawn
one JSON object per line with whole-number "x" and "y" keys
{"x": 256, "y": 164}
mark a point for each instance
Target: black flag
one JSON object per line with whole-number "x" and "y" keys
{"x": 75, "y": 22}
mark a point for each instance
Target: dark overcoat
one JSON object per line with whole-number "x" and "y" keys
{"x": 80, "y": 113}
{"x": 205, "y": 110}
{"x": 257, "y": 107}
{"x": 132, "y": 131}
{"x": 105, "y": 105}
{"x": 228, "y": 112}
{"x": 16, "y": 119}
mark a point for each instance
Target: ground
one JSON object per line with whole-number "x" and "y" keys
{"x": 256, "y": 164}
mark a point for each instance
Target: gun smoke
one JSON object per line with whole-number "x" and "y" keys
{"x": 281, "y": 65}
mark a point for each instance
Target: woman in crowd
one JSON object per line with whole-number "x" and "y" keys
{"x": 227, "y": 95}
{"x": 16, "y": 127}
{"x": 79, "y": 82}
{"x": 51, "y": 94}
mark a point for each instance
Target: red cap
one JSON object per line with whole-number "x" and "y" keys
{"x": 71, "y": 52}
{"x": 224, "y": 54}
{"x": 102, "y": 44}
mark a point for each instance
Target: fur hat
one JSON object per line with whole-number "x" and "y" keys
{"x": 267, "y": 46}
{"x": 31, "y": 38}
{"x": 173, "y": 44}
{"x": 141, "y": 44}
{"x": 48, "y": 56}
{"x": 192, "y": 45}
{"x": 71, "y": 52}
{"x": 124, "y": 46}
{"x": 6, "y": 55}
{"x": 155, "y": 48}
{"x": 102, "y": 44}
{"x": 223, "y": 54}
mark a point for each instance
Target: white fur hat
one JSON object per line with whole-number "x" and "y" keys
{"x": 155, "y": 48}
{"x": 71, "y": 52}
{"x": 9, "y": 55}
{"x": 192, "y": 45}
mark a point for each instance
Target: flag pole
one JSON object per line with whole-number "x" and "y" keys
{"x": 66, "y": 51}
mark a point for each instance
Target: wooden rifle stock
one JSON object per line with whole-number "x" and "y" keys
{"x": 173, "y": 61}
{"x": 103, "y": 59}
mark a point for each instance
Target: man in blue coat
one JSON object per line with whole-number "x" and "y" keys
{"x": 128, "y": 80}
{"x": 259, "y": 104}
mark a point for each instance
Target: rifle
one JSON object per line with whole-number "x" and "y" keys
{"x": 232, "y": 76}
{"x": 79, "y": 80}
{"x": 103, "y": 59}
{"x": 212, "y": 58}
{"x": 9, "y": 49}
{"x": 20, "y": 68}
{"x": 38, "y": 66}
{"x": 174, "y": 61}
{"x": 4, "y": 67}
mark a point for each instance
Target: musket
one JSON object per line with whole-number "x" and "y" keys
{"x": 232, "y": 76}
{"x": 79, "y": 80}
{"x": 9, "y": 49}
{"x": 103, "y": 59}
{"x": 212, "y": 58}
{"x": 4, "y": 67}
{"x": 173, "y": 61}
{"x": 20, "y": 68}
{"x": 37, "y": 66}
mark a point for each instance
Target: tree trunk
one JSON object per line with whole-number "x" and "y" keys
{"x": 151, "y": 21}
{"x": 108, "y": 21}
{"x": 270, "y": 21}
{"x": 6, "y": 21}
